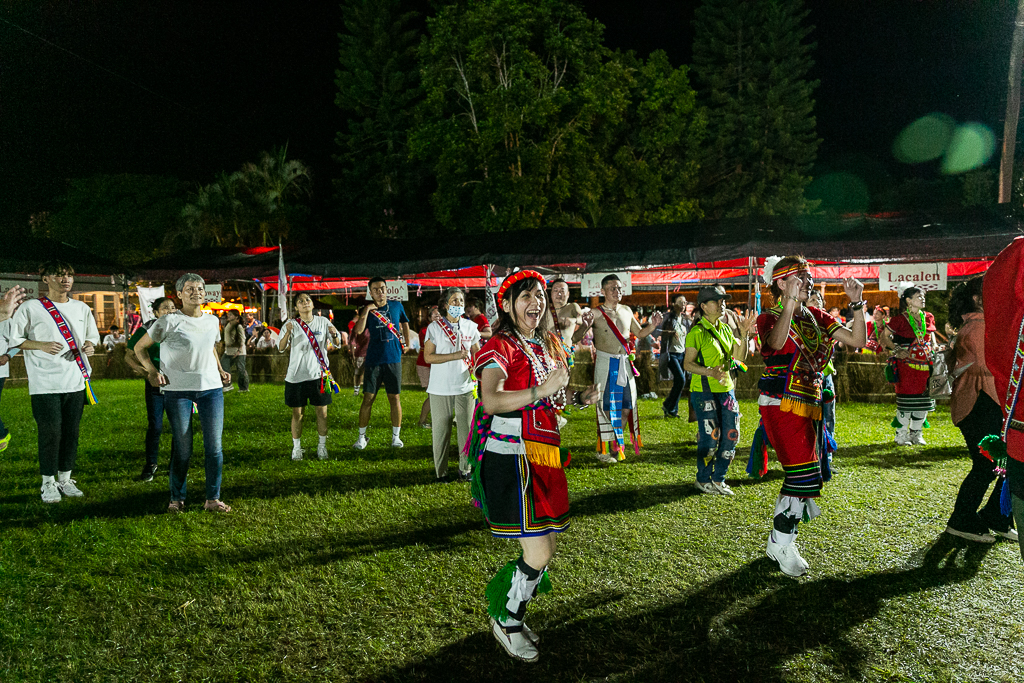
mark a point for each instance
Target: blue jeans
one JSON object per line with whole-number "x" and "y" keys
{"x": 210, "y": 404}
{"x": 155, "y": 417}
{"x": 828, "y": 415}
{"x": 718, "y": 425}
{"x": 675, "y": 366}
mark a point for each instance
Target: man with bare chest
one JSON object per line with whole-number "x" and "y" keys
{"x": 564, "y": 314}
{"x": 613, "y": 325}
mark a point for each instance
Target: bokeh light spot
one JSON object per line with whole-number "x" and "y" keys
{"x": 971, "y": 147}
{"x": 840, "y": 192}
{"x": 924, "y": 139}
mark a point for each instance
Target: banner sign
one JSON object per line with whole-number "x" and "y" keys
{"x": 398, "y": 290}
{"x": 926, "y": 276}
{"x": 31, "y": 288}
{"x": 590, "y": 285}
{"x": 213, "y": 294}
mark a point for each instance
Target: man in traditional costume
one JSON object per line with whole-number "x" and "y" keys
{"x": 614, "y": 326}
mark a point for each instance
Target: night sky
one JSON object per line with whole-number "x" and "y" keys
{"x": 204, "y": 86}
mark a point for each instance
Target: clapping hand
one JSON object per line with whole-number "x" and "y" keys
{"x": 790, "y": 287}
{"x": 591, "y": 394}
{"x": 10, "y": 301}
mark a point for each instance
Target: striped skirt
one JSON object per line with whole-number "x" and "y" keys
{"x": 795, "y": 442}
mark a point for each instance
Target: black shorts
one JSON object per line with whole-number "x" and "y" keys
{"x": 389, "y": 375}
{"x": 296, "y": 394}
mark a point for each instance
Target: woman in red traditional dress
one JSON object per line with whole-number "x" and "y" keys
{"x": 796, "y": 343}
{"x": 517, "y": 475}
{"x": 911, "y": 336}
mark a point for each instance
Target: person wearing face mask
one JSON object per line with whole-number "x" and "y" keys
{"x": 910, "y": 335}
{"x": 796, "y": 344}
{"x": 57, "y": 335}
{"x": 518, "y": 479}
{"x": 450, "y": 344}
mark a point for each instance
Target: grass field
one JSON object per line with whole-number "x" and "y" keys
{"x": 361, "y": 569}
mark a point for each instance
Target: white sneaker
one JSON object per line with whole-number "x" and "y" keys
{"x": 704, "y": 487}
{"x": 722, "y": 489}
{"x": 917, "y": 438}
{"x": 788, "y": 557}
{"x": 69, "y": 489}
{"x": 903, "y": 436}
{"x": 321, "y": 451}
{"x": 517, "y": 645}
{"x": 606, "y": 459}
{"x": 1010, "y": 535}
{"x": 396, "y": 442}
{"x": 51, "y": 494}
{"x": 360, "y": 443}
{"x": 230, "y": 387}
{"x": 297, "y": 453}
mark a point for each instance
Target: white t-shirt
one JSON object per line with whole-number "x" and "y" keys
{"x": 49, "y": 374}
{"x": 5, "y": 333}
{"x": 187, "y": 351}
{"x": 454, "y": 377}
{"x": 111, "y": 340}
{"x": 302, "y": 363}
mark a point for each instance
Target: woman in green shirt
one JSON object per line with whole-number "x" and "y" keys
{"x": 711, "y": 348}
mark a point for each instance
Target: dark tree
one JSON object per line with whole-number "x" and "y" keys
{"x": 379, "y": 189}
{"x": 752, "y": 61}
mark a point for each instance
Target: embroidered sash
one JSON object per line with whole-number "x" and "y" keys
{"x": 386, "y": 322}
{"x": 1014, "y": 384}
{"x": 628, "y": 346}
{"x": 65, "y": 331}
{"x": 327, "y": 383}
{"x": 454, "y": 336}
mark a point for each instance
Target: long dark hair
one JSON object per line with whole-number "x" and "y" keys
{"x": 507, "y": 321}
{"x": 961, "y": 300}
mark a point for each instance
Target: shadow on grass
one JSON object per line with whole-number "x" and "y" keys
{"x": 744, "y": 627}
{"x": 889, "y": 456}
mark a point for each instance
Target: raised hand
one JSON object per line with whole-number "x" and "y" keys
{"x": 854, "y": 289}
{"x": 587, "y": 318}
{"x": 790, "y": 286}
{"x": 10, "y": 301}
{"x": 558, "y": 378}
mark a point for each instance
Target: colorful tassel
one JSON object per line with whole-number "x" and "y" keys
{"x": 497, "y": 592}
{"x": 90, "y": 395}
{"x": 757, "y": 464}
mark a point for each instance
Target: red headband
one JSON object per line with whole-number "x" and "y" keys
{"x": 516, "y": 277}
{"x": 786, "y": 272}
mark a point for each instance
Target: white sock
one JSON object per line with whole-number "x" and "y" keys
{"x": 395, "y": 431}
{"x": 48, "y": 478}
{"x": 323, "y": 440}
{"x": 296, "y": 444}
{"x": 63, "y": 477}
{"x": 362, "y": 431}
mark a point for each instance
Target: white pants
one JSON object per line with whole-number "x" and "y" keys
{"x": 442, "y": 410}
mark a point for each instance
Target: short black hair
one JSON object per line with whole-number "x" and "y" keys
{"x": 158, "y": 303}
{"x": 608, "y": 278}
{"x": 374, "y": 280}
{"x": 557, "y": 280}
{"x": 55, "y": 268}
{"x": 474, "y": 302}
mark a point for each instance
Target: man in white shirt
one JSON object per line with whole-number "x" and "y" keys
{"x": 57, "y": 335}
{"x": 113, "y": 338}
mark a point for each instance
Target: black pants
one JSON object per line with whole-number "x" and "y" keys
{"x": 984, "y": 419}
{"x": 3, "y": 427}
{"x": 57, "y": 417}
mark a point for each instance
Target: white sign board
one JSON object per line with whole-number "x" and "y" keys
{"x": 927, "y": 276}
{"x": 31, "y": 288}
{"x": 590, "y": 284}
{"x": 213, "y": 294}
{"x": 398, "y": 290}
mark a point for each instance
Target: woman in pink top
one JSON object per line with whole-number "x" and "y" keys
{"x": 974, "y": 408}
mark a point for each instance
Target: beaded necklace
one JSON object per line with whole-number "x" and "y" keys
{"x": 542, "y": 368}
{"x": 918, "y": 325}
